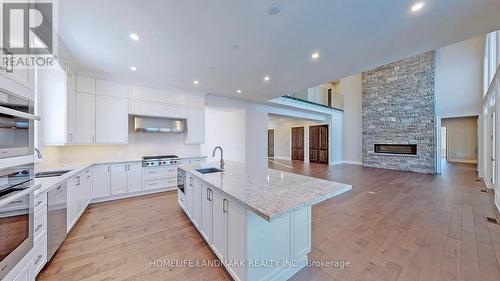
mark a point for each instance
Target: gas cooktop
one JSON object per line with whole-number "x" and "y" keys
{"x": 160, "y": 160}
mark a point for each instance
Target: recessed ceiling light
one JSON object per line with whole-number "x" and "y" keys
{"x": 417, "y": 6}
{"x": 315, "y": 55}
{"x": 133, "y": 68}
{"x": 238, "y": 91}
{"x": 196, "y": 82}
{"x": 267, "y": 78}
{"x": 134, "y": 36}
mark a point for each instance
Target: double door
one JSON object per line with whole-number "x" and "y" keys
{"x": 297, "y": 143}
{"x": 318, "y": 144}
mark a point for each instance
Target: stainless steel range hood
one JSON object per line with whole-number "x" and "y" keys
{"x": 158, "y": 125}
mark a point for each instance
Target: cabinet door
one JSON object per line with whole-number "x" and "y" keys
{"x": 119, "y": 179}
{"x": 87, "y": 187}
{"x": 206, "y": 213}
{"x": 134, "y": 173}
{"x": 189, "y": 190}
{"x": 219, "y": 226}
{"x": 236, "y": 241}
{"x": 70, "y": 106}
{"x": 111, "y": 120}
{"x": 73, "y": 201}
{"x": 85, "y": 85}
{"x": 101, "y": 181}
{"x": 84, "y": 118}
{"x": 195, "y": 126}
{"x": 197, "y": 203}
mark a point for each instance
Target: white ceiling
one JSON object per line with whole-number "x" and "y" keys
{"x": 184, "y": 40}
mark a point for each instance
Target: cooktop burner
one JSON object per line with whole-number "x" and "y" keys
{"x": 160, "y": 157}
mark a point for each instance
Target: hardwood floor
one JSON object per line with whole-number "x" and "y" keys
{"x": 391, "y": 226}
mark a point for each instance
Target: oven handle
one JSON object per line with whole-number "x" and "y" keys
{"x": 8, "y": 111}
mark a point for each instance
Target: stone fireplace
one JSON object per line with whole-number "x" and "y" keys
{"x": 399, "y": 130}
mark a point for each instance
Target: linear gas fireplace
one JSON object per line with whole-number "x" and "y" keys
{"x": 403, "y": 149}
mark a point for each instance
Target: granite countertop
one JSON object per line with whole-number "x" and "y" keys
{"x": 268, "y": 193}
{"x": 47, "y": 184}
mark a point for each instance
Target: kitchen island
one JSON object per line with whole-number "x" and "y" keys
{"x": 257, "y": 221}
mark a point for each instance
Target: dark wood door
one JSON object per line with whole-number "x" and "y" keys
{"x": 318, "y": 144}
{"x": 270, "y": 143}
{"x": 298, "y": 143}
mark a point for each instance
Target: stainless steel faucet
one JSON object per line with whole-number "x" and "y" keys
{"x": 38, "y": 153}
{"x": 222, "y": 164}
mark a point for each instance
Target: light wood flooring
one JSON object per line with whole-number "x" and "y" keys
{"x": 391, "y": 226}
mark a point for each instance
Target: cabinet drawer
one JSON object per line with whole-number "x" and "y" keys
{"x": 160, "y": 183}
{"x": 40, "y": 201}
{"x": 39, "y": 256}
{"x": 159, "y": 172}
{"x": 40, "y": 224}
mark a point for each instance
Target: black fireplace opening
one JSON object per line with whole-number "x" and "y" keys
{"x": 403, "y": 149}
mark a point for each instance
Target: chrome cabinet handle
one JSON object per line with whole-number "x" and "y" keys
{"x": 38, "y": 259}
{"x": 38, "y": 227}
{"x": 109, "y": 168}
{"x": 38, "y": 203}
{"x": 16, "y": 202}
{"x": 224, "y": 205}
{"x": 210, "y": 195}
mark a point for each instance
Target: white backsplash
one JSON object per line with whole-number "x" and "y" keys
{"x": 139, "y": 144}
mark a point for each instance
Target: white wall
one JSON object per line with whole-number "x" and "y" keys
{"x": 225, "y": 128}
{"x": 458, "y": 80}
{"x": 350, "y": 87}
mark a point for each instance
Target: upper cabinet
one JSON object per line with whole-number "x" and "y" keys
{"x": 97, "y": 111}
{"x": 85, "y": 85}
{"x": 111, "y": 116}
{"x": 195, "y": 120}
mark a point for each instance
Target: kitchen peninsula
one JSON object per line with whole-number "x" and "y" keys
{"x": 257, "y": 221}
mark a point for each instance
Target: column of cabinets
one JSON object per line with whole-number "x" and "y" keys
{"x": 117, "y": 179}
{"x": 220, "y": 220}
{"x": 101, "y": 111}
{"x": 79, "y": 194}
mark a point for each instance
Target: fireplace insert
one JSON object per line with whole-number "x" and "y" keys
{"x": 404, "y": 149}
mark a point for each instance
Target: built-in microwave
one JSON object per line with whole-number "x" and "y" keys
{"x": 16, "y": 215}
{"x": 16, "y": 125}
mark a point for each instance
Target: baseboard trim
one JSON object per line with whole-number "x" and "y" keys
{"x": 348, "y": 162}
{"x": 129, "y": 195}
{"x": 463, "y": 161}
{"x": 281, "y": 157}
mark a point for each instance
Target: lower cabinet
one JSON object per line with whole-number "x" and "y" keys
{"x": 206, "y": 212}
{"x": 134, "y": 177}
{"x": 78, "y": 196}
{"x": 101, "y": 183}
{"x": 219, "y": 225}
{"x": 119, "y": 182}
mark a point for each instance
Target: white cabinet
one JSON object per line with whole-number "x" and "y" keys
{"x": 195, "y": 120}
{"x": 219, "y": 224}
{"x": 189, "y": 191}
{"x": 112, "y": 89}
{"x": 73, "y": 195}
{"x": 70, "y": 105}
{"x": 101, "y": 184}
{"x": 235, "y": 239}
{"x": 111, "y": 124}
{"x": 87, "y": 182}
{"x": 85, "y": 85}
{"x": 84, "y": 118}
{"x": 134, "y": 176}
{"x": 118, "y": 179}
{"x": 197, "y": 201}
{"x": 206, "y": 212}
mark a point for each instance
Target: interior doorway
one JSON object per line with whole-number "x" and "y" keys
{"x": 318, "y": 144}
{"x": 270, "y": 143}
{"x": 444, "y": 143}
{"x": 297, "y": 143}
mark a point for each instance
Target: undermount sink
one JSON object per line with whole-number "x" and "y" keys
{"x": 51, "y": 174}
{"x": 209, "y": 170}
